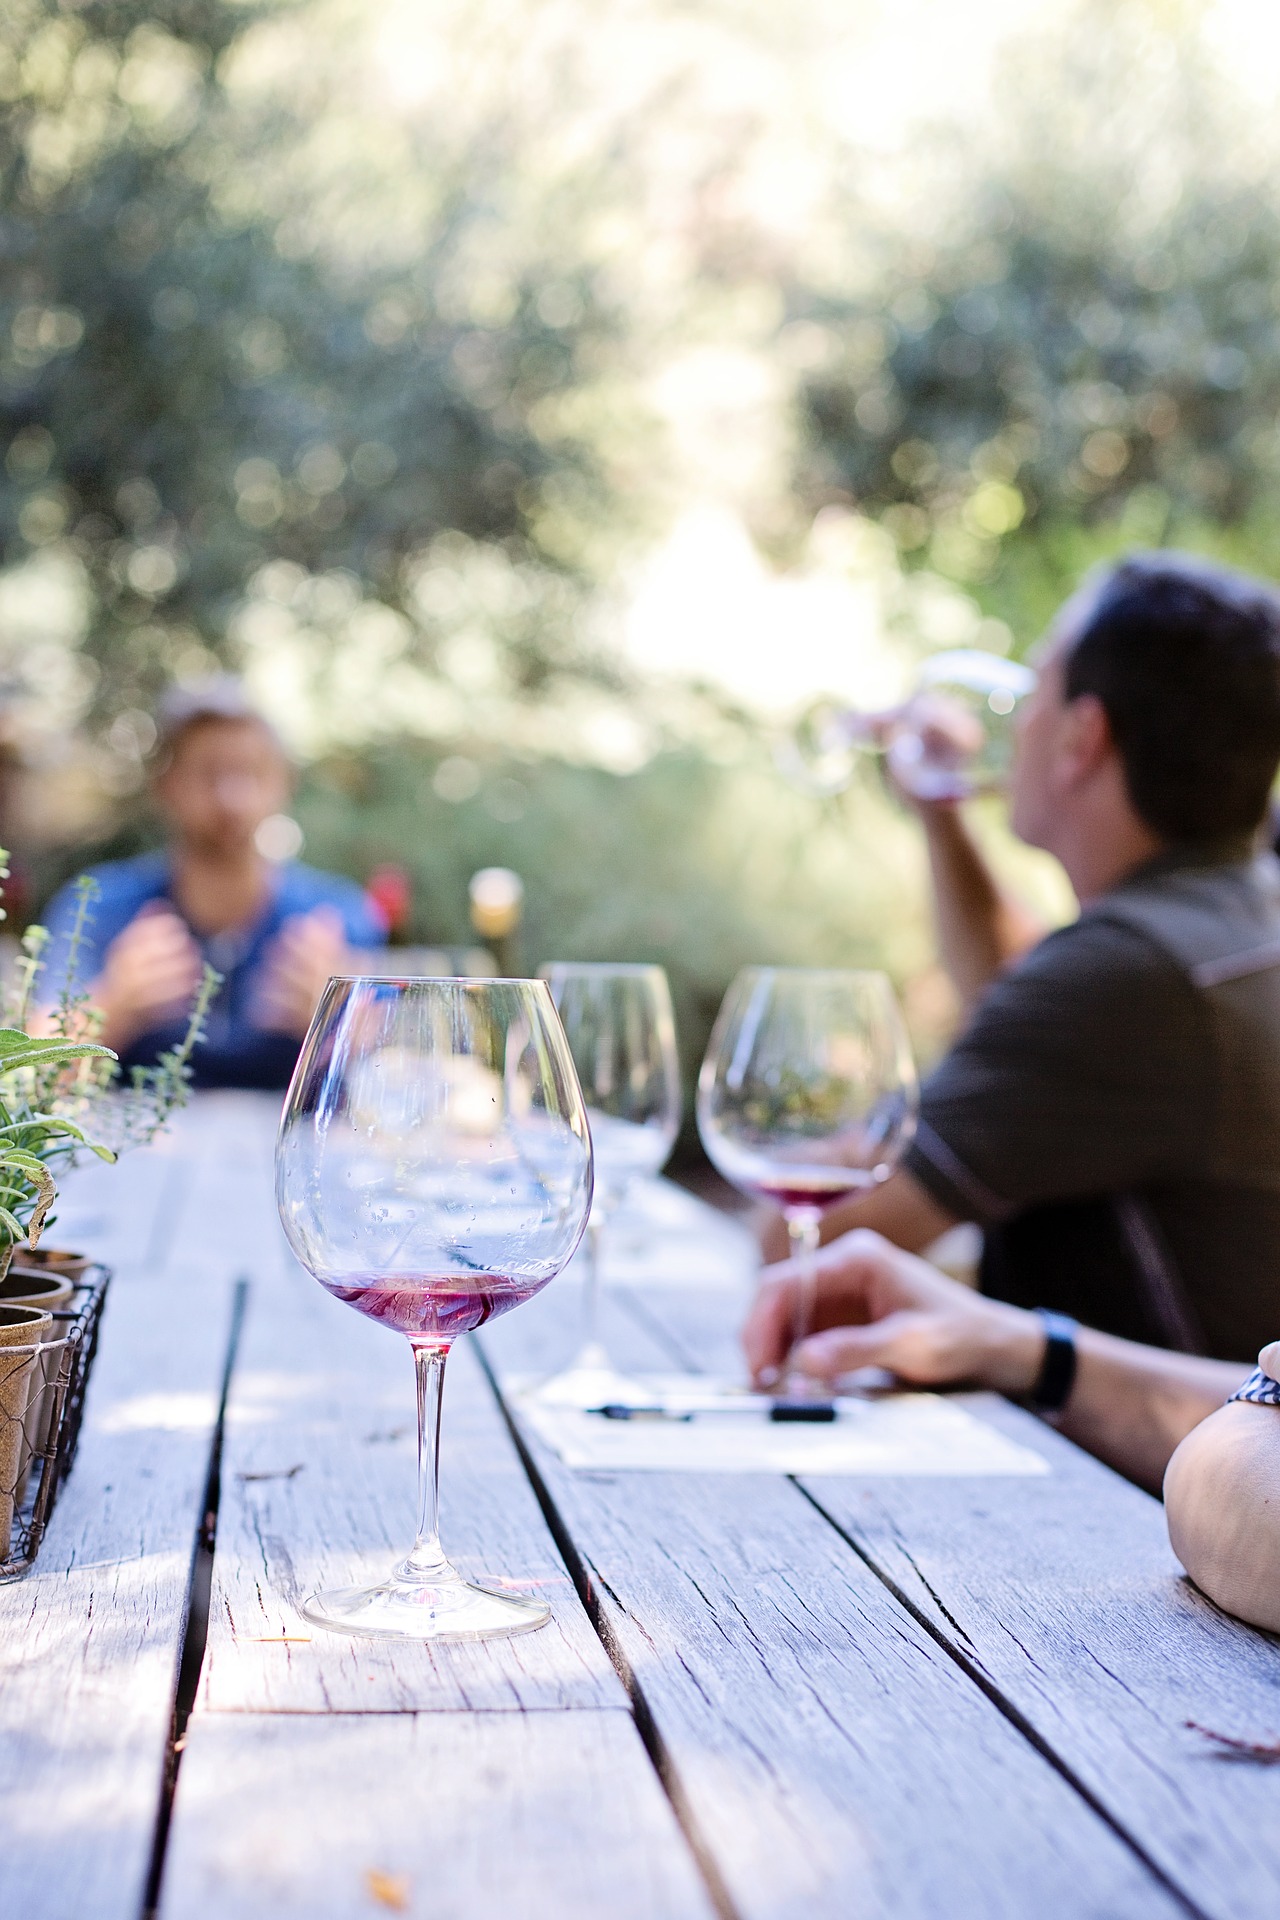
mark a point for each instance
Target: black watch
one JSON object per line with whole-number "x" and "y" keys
{"x": 1057, "y": 1373}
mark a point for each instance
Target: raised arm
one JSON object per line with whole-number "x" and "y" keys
{"x": 877, "y": 1306}
{"x": 980, "y": 928}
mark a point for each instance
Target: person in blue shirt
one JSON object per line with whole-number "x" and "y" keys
{"x": 275, "y": 931}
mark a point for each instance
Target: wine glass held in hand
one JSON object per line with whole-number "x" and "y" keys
{"x": 433, "y": 1170}
{"x": 620, "y": 1027}
{"x": 807, "y": 1094}
{"x": 950, "y": 740}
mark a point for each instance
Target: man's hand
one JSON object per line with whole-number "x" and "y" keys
{"x": 876, "y": 1306}
{"x": 150, "y": 974}
{"x": 307, "y": 951}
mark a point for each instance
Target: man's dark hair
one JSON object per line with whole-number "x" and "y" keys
{"x": 1185, "y": 659}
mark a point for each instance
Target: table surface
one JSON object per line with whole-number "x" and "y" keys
{"x": 759, "y": 1696}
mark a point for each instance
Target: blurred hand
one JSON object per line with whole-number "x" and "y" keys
{"x": 881, "y": 1307}
{"x": 939, "y": 731}
{"x": 307, "y": 951}
{"x": 150, "y": 975}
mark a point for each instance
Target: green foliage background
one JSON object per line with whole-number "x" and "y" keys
{"x": 372, "y": 406}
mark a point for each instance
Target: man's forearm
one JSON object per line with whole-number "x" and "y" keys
{"x": 1131, "y": 1405}
{"x": 980, "y": 930}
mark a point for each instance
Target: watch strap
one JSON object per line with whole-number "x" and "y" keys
{"x": 1057, "y": 1373}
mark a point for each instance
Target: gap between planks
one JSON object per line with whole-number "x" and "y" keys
{"x": 670, "y": 1341}
{"x": 646, "y": 1722}
{"x": 1063, "y": 1600}
{"x": 93, "y": 1636}
{"x": 195, "y": 1629}
{"x": 1005, "y": 1706}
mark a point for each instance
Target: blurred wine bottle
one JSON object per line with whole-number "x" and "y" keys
{"x": 497, "y": 901}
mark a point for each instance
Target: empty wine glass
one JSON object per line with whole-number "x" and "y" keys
{"x": 951, "y": 739}
{"x": 807, "y": 1094}
{"x": 621, "y": 1031}
{"x": 433, "y": 1170}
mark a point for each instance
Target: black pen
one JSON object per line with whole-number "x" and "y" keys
{"x": 616, "y": 1411}
{"x": 811, "y": 1412}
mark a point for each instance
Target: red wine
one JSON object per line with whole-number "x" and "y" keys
{"x": 819, "y": 1190}
{"x": 435, "y": 1307}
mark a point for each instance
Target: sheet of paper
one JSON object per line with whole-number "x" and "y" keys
{"x": 920, "y": 1434}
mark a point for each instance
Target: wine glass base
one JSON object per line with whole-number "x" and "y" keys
{"x": 586, "y": 1386}
{"x": 436, "y": 1611}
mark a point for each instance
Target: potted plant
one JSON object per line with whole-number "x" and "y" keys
{"x": 61, "y": 1093}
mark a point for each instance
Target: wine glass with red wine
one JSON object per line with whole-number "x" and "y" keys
{"x": 807, "y": 1094}
{"x": 433, "y": 1170}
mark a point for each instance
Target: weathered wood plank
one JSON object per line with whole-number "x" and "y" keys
{"x": 318, "y": 1489}
{"x": 833, "y": 1759}
{"x": 90, "y": 1640}
{"x": 318, "y": 1479}
{"x": 476, "y": 1817}
{"x": 123, "y": 1214}
{"x": 1064, "y": 1594}
{"x": 302, "y": 1770}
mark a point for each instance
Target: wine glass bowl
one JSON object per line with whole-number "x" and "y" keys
{"x": 807, "y": 1093}
{"x": 954, "y": 738}
{"x": 951, "y": 738}
{"x": 433, "y": 1170}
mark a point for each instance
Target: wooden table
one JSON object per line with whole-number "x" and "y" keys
{"x": 758, "y": 1697}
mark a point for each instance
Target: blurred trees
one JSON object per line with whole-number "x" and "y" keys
{"x": 186, "y": 395}
{"x": 369, "y": 345}
{"x": 699, "y": 867}
{"x": 1090, "y": 337}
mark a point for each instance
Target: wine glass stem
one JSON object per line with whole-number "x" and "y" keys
{"x": 803, "y": 1233}
{"x": 427, "y": 1559}
{"x": 593, "y": 1353}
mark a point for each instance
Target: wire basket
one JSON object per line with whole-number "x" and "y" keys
{"x": 38, "y": 1440}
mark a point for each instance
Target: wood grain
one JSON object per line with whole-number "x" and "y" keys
{"x": 1063, "y": 1593}
{"x": 318, "y": 1490}
{"x": 476, "y": 1817}
{"x": 832, "y": 1759}
{"x": 90, "y": 1640}
{"x": 1064, "y": 1596}
{"x": 309, "y": 1760}
{"x": 811, "y": 1660}
{"x": 318, "y": 1480}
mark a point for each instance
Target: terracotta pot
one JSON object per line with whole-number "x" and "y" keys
{"x": 22, "y": 1286}
{"x": 51, "y": 1260}
{"x": 51, "y": 1293}
{"x": 23, "y": 1329}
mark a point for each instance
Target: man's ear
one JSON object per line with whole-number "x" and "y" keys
{"x": 1086, "y": 742}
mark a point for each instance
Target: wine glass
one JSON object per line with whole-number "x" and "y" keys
{"x": 620, "y": 1026}
{"x": 807, "y": 1094}
{"x": 951, "y": 739}
{"x": 433, "y": 1170}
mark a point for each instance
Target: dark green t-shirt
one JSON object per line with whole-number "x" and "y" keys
{"x": 1112, "y": 1115}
